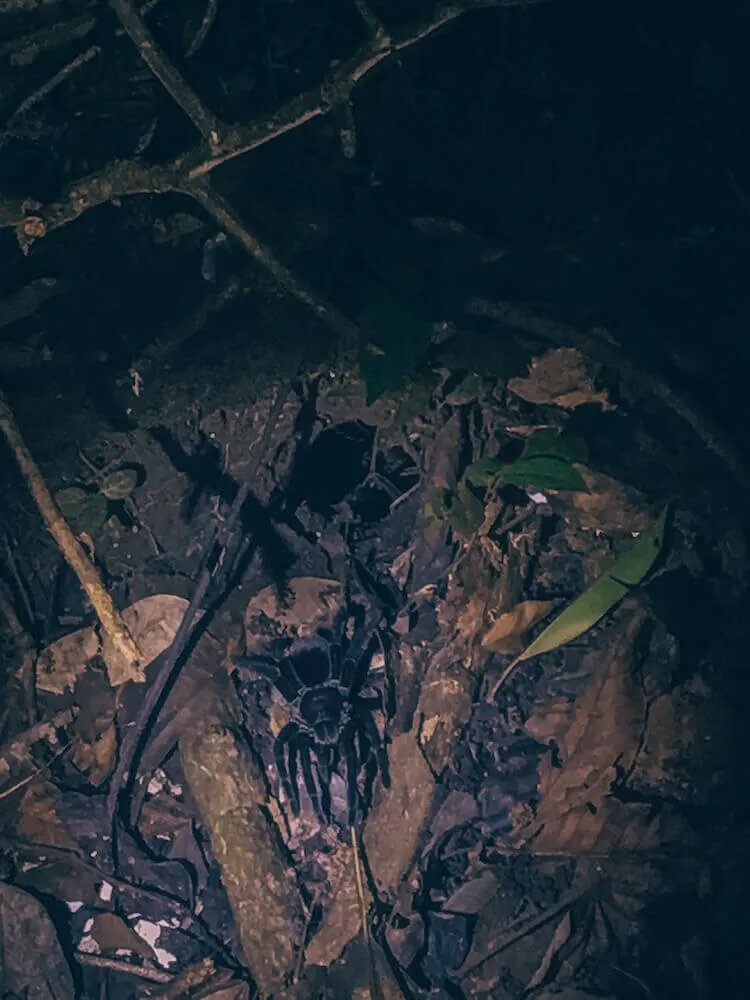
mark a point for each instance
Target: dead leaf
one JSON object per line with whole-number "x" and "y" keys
{"x": 32, "y": 963}
{"x": 112, "y": 934}
{"x": 96, "y": 700}
{"x": 38, "y": 819}
{"x": 236, "y": 990}
{"x": 163, "y": 814}
{"x": 506, "y": 634}
{"x": 610, "y": 507}
{"x": 96, "y": 759}
{"x": 561, "y": 937}
{"x": 310, "y": 601}
{"x": 152, "y": 621}
{"x": 561, "y": 377}
{"x": 598, "y": 736}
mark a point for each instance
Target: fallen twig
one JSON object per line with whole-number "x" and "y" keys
{"x": 125, "y": 664}
{"x": 35, "y": 774}
{"x": 119, "y": 965}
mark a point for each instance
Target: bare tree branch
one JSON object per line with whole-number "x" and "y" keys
{"x": 31, "y": 220}
{"x": 208, "y": 125}
{"x": 41, "y": 92}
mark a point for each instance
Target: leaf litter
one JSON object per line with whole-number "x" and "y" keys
{"x": 509, "y": 817}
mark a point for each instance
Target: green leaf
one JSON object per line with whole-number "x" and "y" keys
{"x": 552, "y": 444}
{"x": 543, "y": 471}
{"x": 467, "y": 512}
{"x": 631, "y": 567}
{"x": 483, "y": 472}
{"x": 84, "y": 512}
{"x": 628, "y": 571}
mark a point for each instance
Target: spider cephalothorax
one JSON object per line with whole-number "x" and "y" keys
{"x": 323, "y": 679}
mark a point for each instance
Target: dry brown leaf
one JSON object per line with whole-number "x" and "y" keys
{"x": 96, "y": 759}
{"x": 609, "y": 507}
{"x": 161, "y": 815}
{"x": 32, "y": 962}
{"x": 152, "y": 621}
{"x": 562, "y": 377}
{"x": 598, "y": 737}
{"x": 506, "y": 634}
{"x": 309, "y": 602}
{"x": 112, "y": 934}
{"x": 38, "y": 820}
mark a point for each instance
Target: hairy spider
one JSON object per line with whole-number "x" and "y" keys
{"x": 323, "y": 680}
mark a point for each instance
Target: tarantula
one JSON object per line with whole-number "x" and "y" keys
{"x": 322, "y": 679}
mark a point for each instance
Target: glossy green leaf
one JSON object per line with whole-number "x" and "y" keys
{"x": 551, "y": 443}
{"x": 629, "y": 570}
{"x": 483, "y": 472}
{"x": 545, "y": 472}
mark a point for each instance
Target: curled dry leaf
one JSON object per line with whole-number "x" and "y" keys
{"x": 113, "y": 935}
{"x": 506, "y": 634}
{"x": 562, "y": 377}
{"x": 32, "y": 963}
{"x": 96, "y": 759}
{"x": 152, "y": 621}
{"x": 38, "y": 819}
{"x": 310, "y": 601}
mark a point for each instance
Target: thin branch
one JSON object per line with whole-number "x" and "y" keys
{"x": 147, "y": 972}
{"x": 34, "y": 774}
{"x": 32, "y": 220}
{"x": 202, "y": 33}
{"x": 227, "y": 220}
{"x": 125, "y": 661}
{"x": 41, "y": 92}
{"x": 210, "y": 127}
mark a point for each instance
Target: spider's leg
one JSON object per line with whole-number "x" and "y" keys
{"x": 372, "y": 734}
{"x": 325, "y": 761}
{"x": 266, "y": 666}
{"x": 386, "y": 645}
{"x": 355, "y": 668}
{"x": 286, "y": 747}
{"x": 287, "y": 680}
{"x": 349, "y": 751}
{"x": 307, "y": 773}
{"x": 276, "y": 671}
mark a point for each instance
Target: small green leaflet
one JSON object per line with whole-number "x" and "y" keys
{"x": 546, "y": 472}
{"x": 546, "y": 463}
{"x": 631, "y": 567}
{"x": 83, "y": 511}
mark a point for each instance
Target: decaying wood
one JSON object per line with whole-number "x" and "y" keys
{"x": 125, "y": 665}
{"x": 230, "y": 792}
